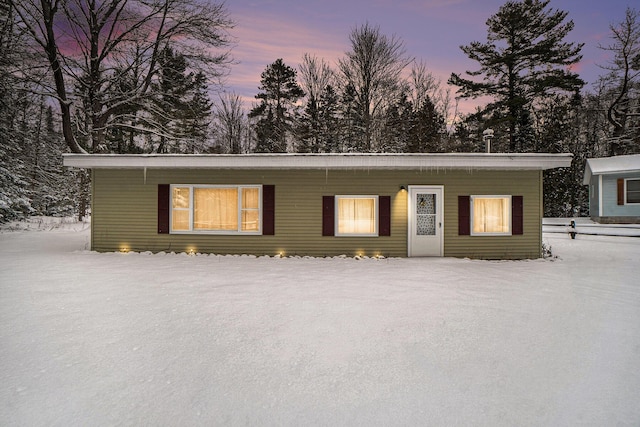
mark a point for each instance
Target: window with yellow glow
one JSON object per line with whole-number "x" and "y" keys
{"x": 491, "y": 215}
{"x": 180, "y": 208}
{"x": 215, "y": 209}
{"x": 356, "y": 215}
{"x": 250, "y": 209}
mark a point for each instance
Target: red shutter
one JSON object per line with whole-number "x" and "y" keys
{"x": 621, "y": 191}
{"x": 517, "y": 215}
{"x": 268, "y": 210}
{"x": 328, "y": 213}
{"x": 163, "y": 208}
{"x": 464, "y": 215}
{"x": 384, "y": 216}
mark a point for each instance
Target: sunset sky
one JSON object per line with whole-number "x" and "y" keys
{"x": 432, "y": 31}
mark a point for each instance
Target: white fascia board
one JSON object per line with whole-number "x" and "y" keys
{"x": 470, "y": 161}
{"x": 586, "y": 178}
{"x": 616, "y": 172}
{"x": 616, "y": 164}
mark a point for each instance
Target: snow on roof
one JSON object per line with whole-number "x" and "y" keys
{"x": 609, "y": 165}
{"x": 472, "y": 161}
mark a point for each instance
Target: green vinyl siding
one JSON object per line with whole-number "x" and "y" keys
{"x": 124, "y": 209}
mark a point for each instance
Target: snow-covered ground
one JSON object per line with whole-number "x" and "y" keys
{"x": 172, "y": 339}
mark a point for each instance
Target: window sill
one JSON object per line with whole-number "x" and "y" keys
{"x": 491, "y": 234}
{"x": 218, "y": 233}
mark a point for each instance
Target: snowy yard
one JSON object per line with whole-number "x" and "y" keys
{"x": 171, "y": 339}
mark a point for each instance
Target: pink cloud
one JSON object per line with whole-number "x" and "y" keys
{"x": 265, "y": 38}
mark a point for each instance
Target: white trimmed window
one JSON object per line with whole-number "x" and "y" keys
{"x": 632, "y": 191}
{"x": 356, "y": 215}
{"x": 491, "y": 215}
{"x": 216, "y": 209}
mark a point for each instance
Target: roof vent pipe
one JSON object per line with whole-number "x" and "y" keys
{"x": 487, "y": 135}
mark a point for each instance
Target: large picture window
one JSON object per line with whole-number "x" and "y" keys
{"x": 215, "y": 209}
{"x": 632, "y": 191}
{"x": 490, "y": 215}
{"x": 356, "y": 215}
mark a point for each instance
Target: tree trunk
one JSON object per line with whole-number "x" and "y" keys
{"x": 83, "y": 196}
{"x": 51, "y": 49}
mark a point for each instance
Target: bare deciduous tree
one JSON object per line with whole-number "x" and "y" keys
{"x": 623, "y": 80}
{"x": 230, "y": 122}
{"x": 424, "y": 84}
{"x": 374, "y": 69}
{"x": 315, "y": 75}
{"x": 107, "y": 52}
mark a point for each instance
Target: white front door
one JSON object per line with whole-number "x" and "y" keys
{"x": 425, "y": 220}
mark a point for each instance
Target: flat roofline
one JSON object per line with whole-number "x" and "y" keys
{"x": 588, "y": 173}
{"x": 629, "y": 163}
{"x": 471, "y": 161}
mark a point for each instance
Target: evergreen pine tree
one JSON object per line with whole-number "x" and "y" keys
{"x": 524, "y": 61}
{"x": 329, "y": 120}
{"x": 196, "y": 117}
{"x": 351, "y": 123}
{"x": 427, "y": 129}
{"x": 173, "y": 85}
{"x": 309, "y": 132}
{"x": 178, "y": 117}
{"x": 276, "y": 111}
{"x": 54, "y": 185}
{"x": 397, "y": 129}
{"x": 14, "y": 195}
{"x": 560, "y": 131}
{"x": 15, "y": 200}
